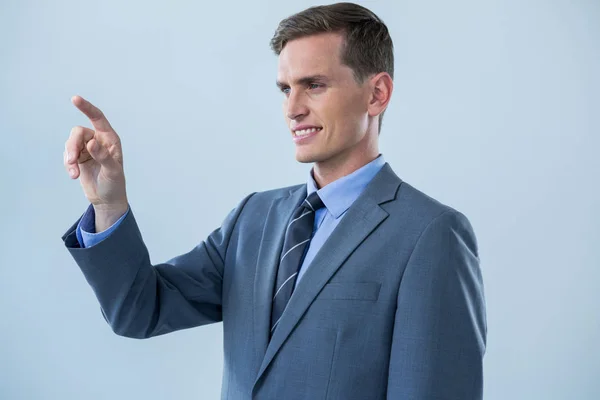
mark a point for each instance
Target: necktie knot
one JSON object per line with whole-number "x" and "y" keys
{"x": 313, "y": 202}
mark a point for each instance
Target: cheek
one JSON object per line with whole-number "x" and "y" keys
{"x": 284, "y": 112}
{"x": 351, "y": 120}
{"x": 332, "y": 111}
{"x": 349, "y": 112}
{"x": 340, "y": 112}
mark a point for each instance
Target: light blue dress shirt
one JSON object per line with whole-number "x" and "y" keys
{"x": 337, "y": 197}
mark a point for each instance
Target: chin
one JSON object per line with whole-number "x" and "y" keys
{"x": 307, "y": 154}
{"x": 304, "y": 156}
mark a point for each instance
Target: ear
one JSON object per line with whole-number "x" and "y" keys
{"x": 381, "y": 86}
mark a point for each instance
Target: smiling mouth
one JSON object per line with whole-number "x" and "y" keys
{"x": 306, "y": 132}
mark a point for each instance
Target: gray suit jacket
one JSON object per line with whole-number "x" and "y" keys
{"x": 391, "y": 307}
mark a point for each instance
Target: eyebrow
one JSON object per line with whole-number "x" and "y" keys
{"x": 303, "y": 81}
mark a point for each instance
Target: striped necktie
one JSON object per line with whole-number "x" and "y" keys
{"x": 297, "y": 238}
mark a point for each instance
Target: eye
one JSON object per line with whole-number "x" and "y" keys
{"x": 285, "y": 90}
{"x": 314, "y": 85}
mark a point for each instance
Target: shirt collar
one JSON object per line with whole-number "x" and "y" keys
{"x": 339, "y": 195}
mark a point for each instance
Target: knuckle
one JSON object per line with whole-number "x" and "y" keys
{"x": 76, "y": 131}
{"x": 66, "y": 163}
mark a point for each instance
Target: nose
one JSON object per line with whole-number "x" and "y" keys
{"x": 295, "y": 106}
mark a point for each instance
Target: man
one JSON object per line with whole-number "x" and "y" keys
{"x": 354, "y": 285}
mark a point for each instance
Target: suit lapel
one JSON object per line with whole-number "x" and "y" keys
{"x": 363, "y": 216}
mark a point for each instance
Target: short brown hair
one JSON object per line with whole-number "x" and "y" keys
{"x": 368, "y": 47}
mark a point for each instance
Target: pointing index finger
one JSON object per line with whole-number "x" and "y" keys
{"x": 93, "y": 113}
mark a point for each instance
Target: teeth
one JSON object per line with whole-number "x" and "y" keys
{"x": 303, "y": 132}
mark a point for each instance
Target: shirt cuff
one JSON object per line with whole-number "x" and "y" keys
{"x": 86, "y": 229}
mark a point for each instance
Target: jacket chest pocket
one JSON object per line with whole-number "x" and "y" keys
{"x": 366, "y": 291}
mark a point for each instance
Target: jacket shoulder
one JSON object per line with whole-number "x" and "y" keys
{"x": 272, "y": 194}
{"x": 421, "y": 206}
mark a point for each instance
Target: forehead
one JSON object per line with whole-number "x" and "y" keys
{"x": 314, "y": 54}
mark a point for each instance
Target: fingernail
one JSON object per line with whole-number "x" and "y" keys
{"x": 72, "y": 172}
{"x": 69, "y": 157}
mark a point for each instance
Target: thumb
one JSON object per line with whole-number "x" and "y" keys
{"x": 99, "y": 152}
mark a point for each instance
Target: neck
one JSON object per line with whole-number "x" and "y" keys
{"x": 328, "y": 171}
{"x": 349, "y": 160}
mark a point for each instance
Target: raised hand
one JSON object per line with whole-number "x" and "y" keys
{"x": 95, "y": 157}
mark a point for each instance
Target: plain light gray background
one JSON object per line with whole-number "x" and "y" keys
{"x": 495, "y": 112}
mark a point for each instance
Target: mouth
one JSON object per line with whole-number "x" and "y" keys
{"x": 303, "y": 134}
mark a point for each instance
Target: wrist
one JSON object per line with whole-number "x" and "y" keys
{"x": 106, "y": 215}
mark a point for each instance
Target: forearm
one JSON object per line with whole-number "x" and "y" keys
{"x": 142, "y": 300}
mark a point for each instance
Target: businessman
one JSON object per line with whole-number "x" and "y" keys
{"x": 352, "y": 285}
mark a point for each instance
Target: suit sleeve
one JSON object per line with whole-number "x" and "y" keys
{"x": 440, "y": 325}
{"x": 141, "y": 300}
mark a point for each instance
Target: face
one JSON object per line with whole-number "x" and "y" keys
{"x": 326, "y": 110}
